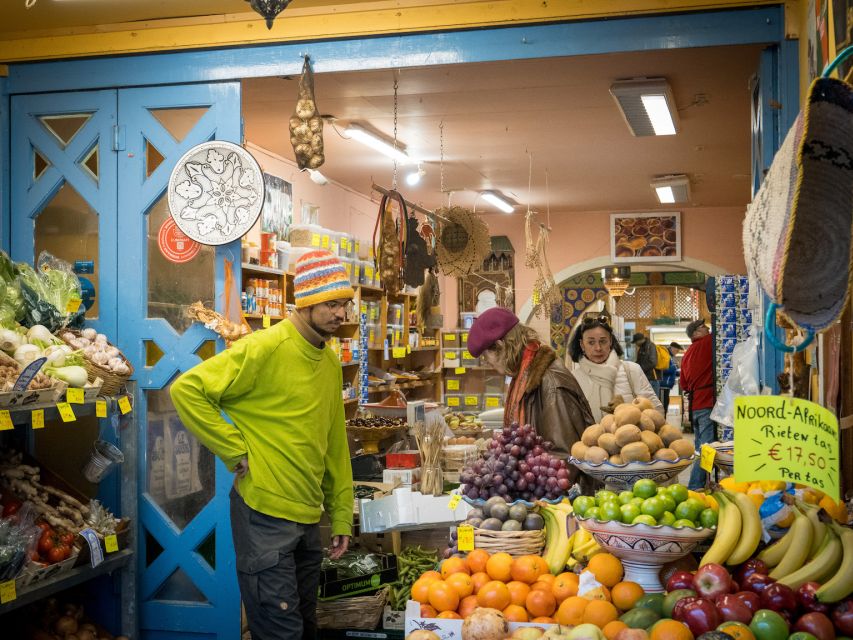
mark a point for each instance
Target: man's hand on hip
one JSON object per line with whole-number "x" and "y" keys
{"x": 242, "y": 468}
{"x": 338, "y": 547}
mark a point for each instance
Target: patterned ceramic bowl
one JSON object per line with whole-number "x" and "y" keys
{"x": 724, "y": 459}
{"x": 644, "y": 549}
{"x": 623, "y": 476}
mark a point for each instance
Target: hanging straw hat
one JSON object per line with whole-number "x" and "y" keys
{"x": 463, "y": 241}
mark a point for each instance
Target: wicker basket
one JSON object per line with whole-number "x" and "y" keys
{"x": 362, "y": 612}
{"x": 113, "y": 383}
{"x": 515, "y": 543}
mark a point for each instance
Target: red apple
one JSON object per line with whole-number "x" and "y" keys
{"x": 779, "y": 597}
{"x": 732, "y": 608}
{"x": 711, "y": 580}
{"x": 680, "y": 604}
{"x": 817, "y": 624}
{"x": 680, "y": 580}
{"x": 756, "y": 582}
{"x": 735, "y": 587}
{"x": 751, "y": 601}
{"x": 808, "y": 601}
{"x": 753, "y": 565}
{"x": 699, "y": 614}
{"x": 842, "y": 616}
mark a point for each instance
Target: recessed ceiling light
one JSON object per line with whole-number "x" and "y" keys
{"x": 672, "y": 189}
{"x": 648, "y": 106}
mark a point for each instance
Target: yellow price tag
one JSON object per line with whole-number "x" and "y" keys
{"x": 7, "y": 591}
{"x": 6, "y": 420}
{"x": 465, "y": 537}
{"x": 345, "y": 244}
{"x": 265, "y": 320}
{"x": 124, "y": 404}
{"x": 450, "y": 337}
{"x": 368, "y": 271}
{"x": 453, "y": 385}
{"x": 493, "y": 402}
{"x": 315, "y": 239}
{"x": 453, "y": 402}
{"x": 471, "y": 401}
{"x": 325, "y": 243}
{"x": 75, "y": 396}
{"x": 73, "y": 305}
{"x": 399, "y": 352}
{"x": 466, "y": 355}
{"x": 454, "y": 501}
{"x": 706, "y": 457}
{"x": 66, "y": 412}
{"x": 101, "y": 408}
{"x": 111, "y": 544}
{"x": 38, "y": 419}
{"x": 465, "y": 337}
{"x": 459, "y": 371}
{"x": 408, "y": 348}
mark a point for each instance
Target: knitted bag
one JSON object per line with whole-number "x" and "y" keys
{"x": 797, "y": 231}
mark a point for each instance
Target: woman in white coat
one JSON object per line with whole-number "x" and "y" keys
{"x": 594, "y": 360}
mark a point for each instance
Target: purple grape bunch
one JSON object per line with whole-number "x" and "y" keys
{"x": 516, "y": 465}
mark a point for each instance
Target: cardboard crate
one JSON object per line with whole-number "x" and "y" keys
{"x": 332, "y": 587}
{"x": 448, "y": 629}
{"x": 395, "y": 620}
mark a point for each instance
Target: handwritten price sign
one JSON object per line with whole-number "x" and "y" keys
{"x": 786, "y": 439}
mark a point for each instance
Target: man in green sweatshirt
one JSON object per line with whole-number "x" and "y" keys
{"x": 285, "y": 440}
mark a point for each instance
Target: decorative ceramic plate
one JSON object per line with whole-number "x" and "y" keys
{"x": 625, "y": 475}
{"x": 216, "y": 192}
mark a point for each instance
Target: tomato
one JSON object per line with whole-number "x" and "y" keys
{"x": 68, "y": 539}
{"x": 44, "y": 526}
{"x": 57, "y": 554}
{"x": 35, "y": 557}
{"x": 11, "y": 508}
{"x": 46, "y": 542}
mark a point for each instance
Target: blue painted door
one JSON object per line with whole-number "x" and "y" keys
{"x": 90, "y": 171}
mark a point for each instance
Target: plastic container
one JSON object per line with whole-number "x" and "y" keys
{"x": 463, "y": 339}
{"x": 394, "y": 335}
{"x": 466, "y": 319}
{"x": 467, "y": 359}
{"x": 375, "y": 337}
{"x": 451, "y": 358}
{"x": 283, "y": 250}
{"x": 344, "y": 241}
{"x": 454, "y": 401}
{"x": 103, "y": 458}
{"x": 471, "y": 402}
{"x": 395, "y": 314}
{"x": 347, "y": 265}
{"x": 492, "y": 401}
{"x": 363, "y": 278}
{"x": 450, "y": 339}
{"x": 452, "y": 385}
{"x": 372, "y": 309}
{"x": 306, "y": 235}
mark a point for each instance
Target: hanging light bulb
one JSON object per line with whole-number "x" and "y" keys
{"x": 269, "y": 9}
{"x": 414, "y": 177}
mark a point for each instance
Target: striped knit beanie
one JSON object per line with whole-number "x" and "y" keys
{"x": 320, "y": 277}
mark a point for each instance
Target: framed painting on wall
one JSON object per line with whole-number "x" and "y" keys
{"x": 277, "y": 214}
{"x": 645, "y": 237}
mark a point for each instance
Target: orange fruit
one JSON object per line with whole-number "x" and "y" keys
{"x": 565, "y": 585}
{"x": 518, "y": 592}
{"x": 543, "y": 566}
{"x": 449, "y": 614}
{"x": 669, "y": 630}
{"x": 420, "y": 590}
{"x": 606, "y": 568}
{"x": 515, "y": 613}
{"x": 611, "y": 629}
{"x": 626, "y": 594}
{"x": 737, "y": 630}
{"x": 546, "y": 577}
{"x": 540, "y": 585}
{"x": 476, "y": 560}
{"x": 599, "y": 613}
{"x": 453, "y": 565}
{"x": 442, "y": 596}
{"x": 499, "y": 567}
{"x": 467, "y": 606}
{"x": 428, "y": 611}
{"x": 461, "y": 583}
{"x": 570, "y": 611}
{"x": 540, "y": 603}
{"x": 599, "y": 593}
{"x": 526, "y": 569}
{"x": 479, "y": 579}
{"x": 544, "y": 620}
{"x": 494, "y": 594}
{"x": 430, "y": 576}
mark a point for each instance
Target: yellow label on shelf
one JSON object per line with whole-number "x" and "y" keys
{"x": 111, "y": 544}
{"x": 101, "y": 408}
{"x": 5, "y": 420}
{"x": 450, "y": 337}
{"x": 459, "y": 371}
{"x": 454, "y": 501}
{"x": 493, "y": 402}
{"x": 73, "y": 305}
{"x": 408, "y": 348}
{"x": 368, "y": 271}
{"x": 453, "y": 402}
{"x": 465, "y": 537}
{"x": 453, "y": 385}
{"x": 706, "y": 457}
{"x": 124, "y": 404}
{"x": 471, "y": 401}
{"x": 66, "y": 412}
{"x": 325, "y": 243}
{"x": 38, "y": 419}
{"x": 75, "y": 396}
{"x": 7, "y": 591}
{"x": 465, "y": 337}
{"x": 787, "y": 439}
{"x": 345, "y": 244}
{"x": 397, "y": 335}
{"x": 315, "y": 239}
{"x": 398, "y": 352}
{"x": 265, "y": 320}
{"x": 450, "y": 355}
{"x": 467, "y": 356}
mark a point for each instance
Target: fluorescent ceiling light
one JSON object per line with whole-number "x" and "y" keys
{"x": 665, "y": 195}
{"x": 377, "y": 144}
{"x": 672, "y": 189}
{"x": 499, "y": 201}
{"x": 648, "y": 106}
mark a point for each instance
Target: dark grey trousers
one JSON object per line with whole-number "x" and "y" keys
{"x": 278, "y": 570}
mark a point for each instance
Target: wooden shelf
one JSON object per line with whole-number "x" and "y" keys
{"x": 471, "y": 368}
{"x": 256, "y": 268}
{"x": 353, "y": 363}
{"x": 350, "y": 401}
{"x": 425, "y": 349}
{"x": 415, "y": 384}
{"x": 259, "y": 316}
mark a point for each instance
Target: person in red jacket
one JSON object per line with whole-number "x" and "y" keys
{"x": 697, "y": 379}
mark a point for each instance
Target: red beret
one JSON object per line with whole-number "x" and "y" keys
{"x": 489, "y": 327}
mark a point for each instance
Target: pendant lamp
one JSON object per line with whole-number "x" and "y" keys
{"x": 269, "y": 9}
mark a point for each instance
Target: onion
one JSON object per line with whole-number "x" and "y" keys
{"x": 65, "y": 625}
{"x": 101, "y": 338}
{"x": 113, "y": 352}
{"x": 99, "y": 357}
{"x": 26, "y": 353}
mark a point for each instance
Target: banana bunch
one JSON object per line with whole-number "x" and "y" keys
{"x": 558, "y": 542}
{"x": 813, "y": 550}
{"x": 738, "y": 530}
{"x": 584, "y": 547}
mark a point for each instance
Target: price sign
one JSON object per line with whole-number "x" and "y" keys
{"x": 7, "y": 591}
{"x": 465, "y": 337}
{"x": 66, "y": 412}
{"x": 6, "y": 420}
{"x": 453, "y": 402}
{"x": 101, "y": 408}
{"x": 450, "y": 337}
{"x": 265, "y": 321}
{"x": 466, "y": 355}
{"x": 408, "y": 348}
{"x": 493, "y": 402}
{"x": 454, "y": 501}
{"x": 315, "y": 239}
{"x": 74, "y": 396}
{"x": 706, "y": 457}
{"x": 471, "y": 401}
{"x": 38, "y": 419}
{"x": 453, "y": 385}
{"x": 450, "y": 355}
{"x": 111, "y": 543}
{"x": 368, "y": 271}
{"x": 399, "y": 352}
{"x": 345, "y": 244}
{"x": 325, "y": 243}
{"x": 459, "y": 371}
{"x": 465, "y": 537}
{"x": 73, "y": 305}
{"x": 124, "y": 404}
{"x": 786, "y": 439}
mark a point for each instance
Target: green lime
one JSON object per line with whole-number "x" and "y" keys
{"x": 689, "y": 509}
{"x": 678, "y": 492}
{"x": 593, "y": 512}
{"x": 683, "y": 522}
{"x": 653, "y": 507}
{"x": 668, "y": 501}
{"x": 582, "y": 504}
{"x": 644, "y": 519}
{"x": 645, "y": 488}
{"x": 610, "y": 511}
{"x": 605, "y": 496}
{"x": 625, "y": 497}
{"x": 667, "y": 518}
{"x": 708, "y": 518}
{"x": 637, "y": 501}
{"x": 629, "y": 512}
